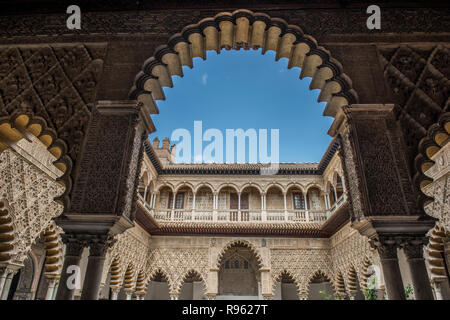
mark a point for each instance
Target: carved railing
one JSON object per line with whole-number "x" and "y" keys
{"x": 243, "y": 215}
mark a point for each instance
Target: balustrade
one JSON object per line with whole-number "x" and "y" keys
{"x": 247, "y": 215}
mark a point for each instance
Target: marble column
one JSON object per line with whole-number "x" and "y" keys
{"x": 3, "y": 274}
{"x": 55, "y": 289}
{"x": 285, "y": 207}
{"x": 7, "y": 285}
{"x": 421, "y": 283}
{"x": 114, "y": 293}
{"x": 391, "y": 269}
{"x": 438, "y": 289}
{"x": 96, "y": 260}
{"x": 50, "y": 289}
{"x": 74, "y": 249}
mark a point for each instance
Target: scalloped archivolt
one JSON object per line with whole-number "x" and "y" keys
{"x": 244, "y": 29}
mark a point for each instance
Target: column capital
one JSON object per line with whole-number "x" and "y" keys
{"x": 99, "y": 244}
{"x": 386, "y": 246}
{"x": 74, "y": 244}
{"x": 115, "y": 289}
{"x": 413, "y": 247}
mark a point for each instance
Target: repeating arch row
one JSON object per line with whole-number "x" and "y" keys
{"x": 239, "y": 189}
{"x": 244, "y": 29}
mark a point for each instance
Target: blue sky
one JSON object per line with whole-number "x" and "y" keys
{"x": 245, "y": 89}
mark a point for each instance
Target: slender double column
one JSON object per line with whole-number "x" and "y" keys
{"x": 96, "y": 260}
{"x": 7, "y": 274}
{"x": 70, "y": 273}
{"x": 413, "y": 249}
{"x": 387, "y": 249}
{"x": 52, "y": 284}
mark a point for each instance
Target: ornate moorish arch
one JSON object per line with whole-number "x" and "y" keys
{"x": 240, "y": 242}
{"x": 244, "y": 29}
{"x": 437, "y": 136}
{"x": 54, "y": 250}
{"x": 319, "y": 274}
{"x": 286, "y": 274}
{"x": 160, "y": 274}
{"x": 7, "y": 238}
{"x": 141, "y": 285}
{"x": 190, "y": 274}
{"x": 116, "y": 273}
{"x": 129, "y": 279}
{"x": 339, "y": 284}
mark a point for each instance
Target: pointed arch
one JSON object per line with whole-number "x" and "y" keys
{"x": 160, "y": 275}
{"x": 191, "y": 274}
{"x": 284, "y": 275}
{"x": 238, "y": 243}
{"x": 319, "y": 274}
{"x": 244, "y": 29}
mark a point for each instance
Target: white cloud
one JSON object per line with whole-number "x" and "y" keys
{"x": 204, "y": 78}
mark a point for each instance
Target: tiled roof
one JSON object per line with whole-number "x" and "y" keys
{"x": 241, "y": 168}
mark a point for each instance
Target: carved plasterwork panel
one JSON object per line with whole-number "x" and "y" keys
{"x": 349, "y": 249}
{"x": 177, "y": 262}
{"x": 30, "y": 194}
{"x": 419, "y": 78}
{"x": 131, "y": 248}
{"x": 301, "y": 265}
{"x": 56, "y": 83}
{"x": 439, "y": 189}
